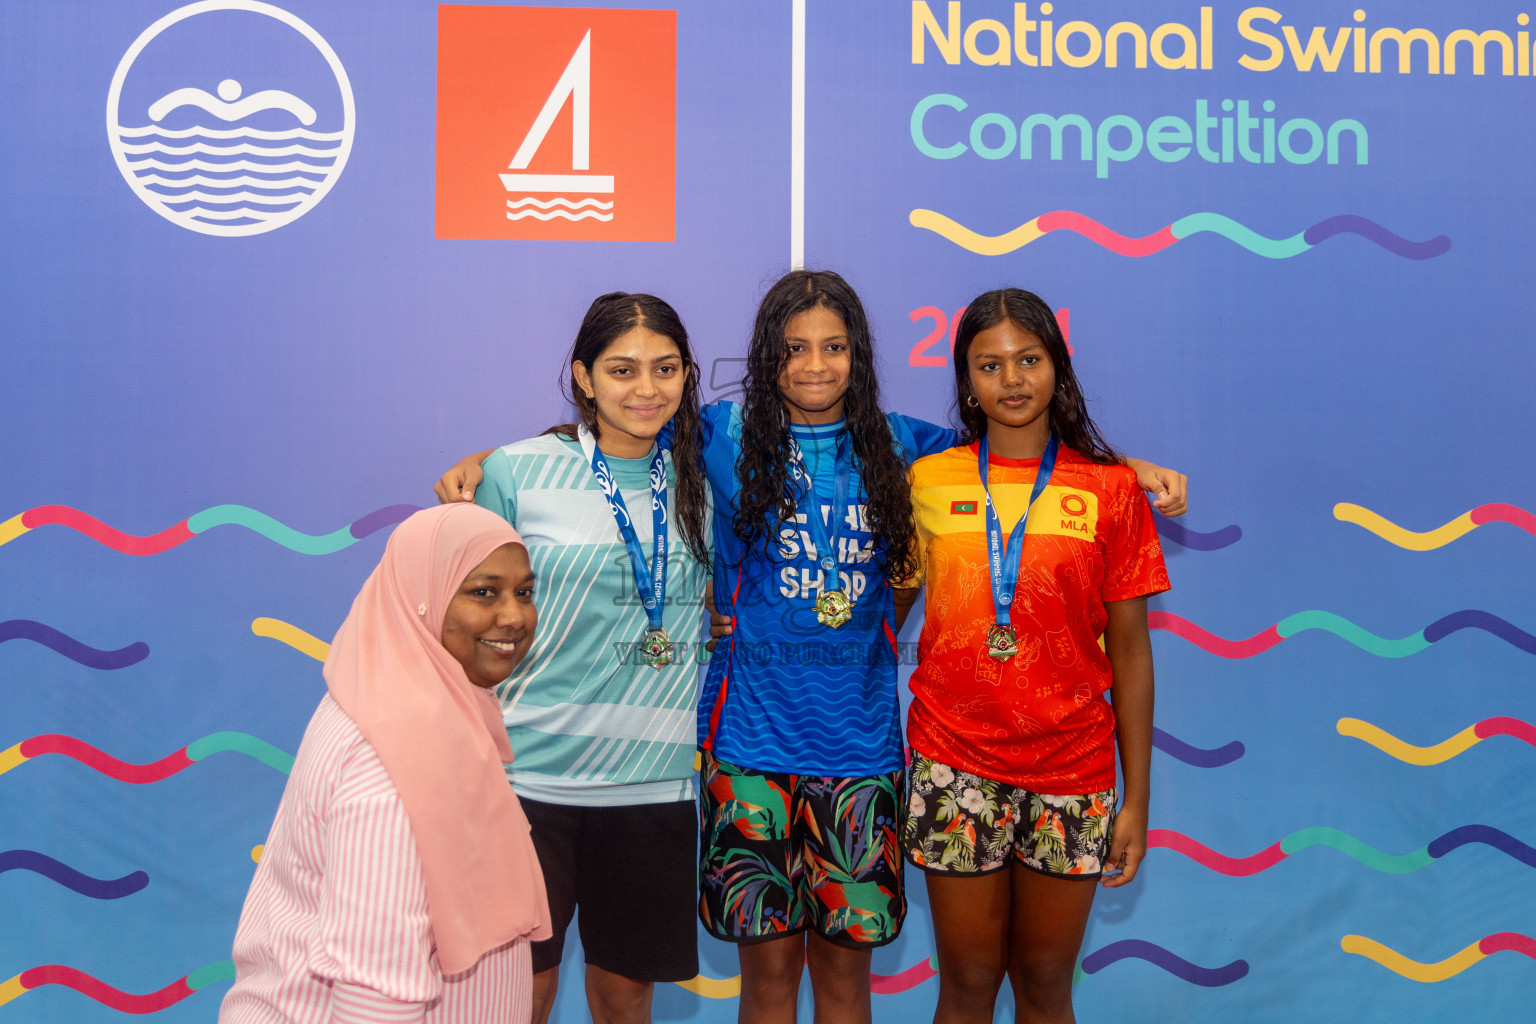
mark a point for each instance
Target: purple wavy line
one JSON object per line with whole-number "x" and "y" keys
{"x": 1488, "y": 836}
{"x": 374, "y": 521}
{"x": 1210, "y": 977}
{"x": 1197, "y": 756}
{"x": 1350, "y": 223}
{"x": 1471, "y": 618}
{"x": 85, "y": 885}
{"x": 74, "y": 650}
{"x": 1193, "y": 539}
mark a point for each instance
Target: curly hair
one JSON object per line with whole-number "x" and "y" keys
{"x": 1070, "y": 421}
{"x": 608, "y": 318}
{"x": 765, "y": 500}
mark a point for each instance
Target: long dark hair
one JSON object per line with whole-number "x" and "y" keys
{"x": 608, "y": 318}
{"x": 764, "y": 500}
{"x": 1070, "y": 421}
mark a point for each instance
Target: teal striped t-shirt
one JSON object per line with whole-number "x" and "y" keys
{"x": 590, "y": 723}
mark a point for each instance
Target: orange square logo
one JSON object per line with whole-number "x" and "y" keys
{"x": 556, "y": 123}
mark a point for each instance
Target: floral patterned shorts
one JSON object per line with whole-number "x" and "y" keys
{"x": 961, "y": 824}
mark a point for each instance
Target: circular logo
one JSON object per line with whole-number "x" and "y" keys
{"x": 230, "y": 117}
{"x": 1073, "y": 505}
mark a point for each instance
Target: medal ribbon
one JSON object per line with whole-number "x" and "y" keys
{"x": 1005, "y": 569}
{"x": 650, "y": 582}
{"x": 826, "y": 547}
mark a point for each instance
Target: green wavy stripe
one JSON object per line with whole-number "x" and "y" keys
{"x": 1272, "y": 248}
{"x": 240, "y": 743}
{"x": 224, "y": 970}
{"x": 1361, "y": 638}
{"x": 1392, "y": 864}
{"x": 260, "y": 522}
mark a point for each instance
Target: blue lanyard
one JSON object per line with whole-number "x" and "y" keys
{"x": 650, "y": 584}
{"x": 826, "y": 546}
{"x": 1005, "y": 574}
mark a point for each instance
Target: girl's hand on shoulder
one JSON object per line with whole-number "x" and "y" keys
{"x": 459, "y": 483}
{"x": 1169, "y": 487}
{"x": 1127, "y": 849}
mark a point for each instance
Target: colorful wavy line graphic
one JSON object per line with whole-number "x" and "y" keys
{"x": 154, "y": 771}
{"x": 1387, "y": 863}
{"x": 1140, "y": 949}
{"x": 879, "y": 984}
{"x": 1439, "y": 537}
{"x": 80, "y": 882}
{"x": 1341, "y": 627}
{"x": 293, "y": 636}
{"x": 1392, "y": 960}
{"x": 219, "y": 515}
{"x": 74, "y": 650}
{"x": 1193, "y": 539}
{"x": 1185, "y": 227}
{"x": 106, "y": 995}
{"x": 1177, "y": 748}
{"x": 1445, "y": 749}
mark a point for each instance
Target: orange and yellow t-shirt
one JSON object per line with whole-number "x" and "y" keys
{"x": 1040, "y": 719}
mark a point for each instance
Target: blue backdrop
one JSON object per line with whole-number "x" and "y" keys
{"x": 1334, "y": 349}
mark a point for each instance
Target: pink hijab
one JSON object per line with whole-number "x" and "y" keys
{"x": 440, "y": 737}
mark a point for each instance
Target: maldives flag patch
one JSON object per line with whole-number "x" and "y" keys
{"x": 962, "y": 508}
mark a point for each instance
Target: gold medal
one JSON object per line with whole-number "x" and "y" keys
{"x": 833, "y": 608}
{"x": 656, "y": 648}
{"x": 1002, "y": 642}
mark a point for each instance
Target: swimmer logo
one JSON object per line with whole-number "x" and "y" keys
{"x": 556, "y": 123}
{"x": 260, "y": 150}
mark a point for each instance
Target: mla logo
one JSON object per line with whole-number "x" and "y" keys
{"x": 556, "y": 123}
{"x": 258, "y": 151}
{"x": 1073, "y": 505}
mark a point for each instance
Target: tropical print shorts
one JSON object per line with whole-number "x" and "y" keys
{"x": 962, "y": 824}
{"x": 782, "y": 854}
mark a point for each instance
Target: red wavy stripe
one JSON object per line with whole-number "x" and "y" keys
{"x": 890, "y": 984}
{"x": 1506, "y": 727}
{"x": 138, "y": 774}
{"x": 1255, "y": 644}
{"x": 127, "y": 543}
{"x": 1498, "y": 512}
{"x": 1512, "y": 941}
{"x": 1070, "y": 220}
{"x": 1236, "y": 866}
{"x": 126, "y": 1002}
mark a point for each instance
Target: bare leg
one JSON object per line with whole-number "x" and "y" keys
{"x": 770, "y": 980}
{"x": 970, "y": 931}
{"x": 545, "y": 983}
{"x": 615, "y": 999}
{"x": 839, "y": 981}
{"x": 1049, "y": 916}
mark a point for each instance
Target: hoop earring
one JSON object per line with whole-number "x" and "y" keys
{"x": 970, "y": 400}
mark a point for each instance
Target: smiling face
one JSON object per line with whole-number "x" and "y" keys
{"x": 489, "y": 623}
{"x": 636, "y": 384}
{"x": 1011, "y": 375}
{"x": 815, "y": 374}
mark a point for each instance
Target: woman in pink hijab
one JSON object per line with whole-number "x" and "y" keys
{"x": 399, "y": 882}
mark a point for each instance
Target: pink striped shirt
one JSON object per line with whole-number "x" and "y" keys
{"x": 335, "y": 927}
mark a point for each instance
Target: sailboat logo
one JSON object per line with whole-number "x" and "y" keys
{"x": 230, "y": 117}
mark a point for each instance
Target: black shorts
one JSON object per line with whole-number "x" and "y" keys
{"x": 630, "y": 872}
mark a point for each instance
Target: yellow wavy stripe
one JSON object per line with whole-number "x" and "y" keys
{"x": 11, "y": 529}
{"x": 1394, "y": 534}
{"x": 10, "y": 758}
{"x": 1387, "y": 743}
{"x": 965, "y": 238}
{"x": 11, "y": 989}
{"x": 1394, "y": 961}
{"x": 713, "y": 988}
{"x": 291, "y": 635}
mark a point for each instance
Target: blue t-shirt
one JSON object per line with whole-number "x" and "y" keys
{"x": 785, "y": 693}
